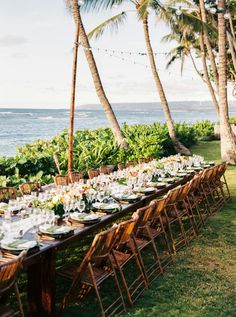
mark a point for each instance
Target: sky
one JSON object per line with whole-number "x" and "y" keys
{"x": 36, "y": 54}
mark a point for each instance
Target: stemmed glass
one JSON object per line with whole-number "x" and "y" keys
{"x": 67, "y": 208}
{"x": 81, "y": 205}
{"x": 100, "y": 196}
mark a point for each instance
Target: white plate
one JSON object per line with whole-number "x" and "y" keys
{"x": 104, "y": 206}
{"x": 25, "y": 245}
{"x": 122, "y": 196}
{"x": 83, "y": 216}
{"x": 144, "y": 190}
{"x": 57, "y": 229}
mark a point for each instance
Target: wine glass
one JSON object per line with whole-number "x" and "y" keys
{"x": 100, "y": 196}
{"x": 81, "y": 206}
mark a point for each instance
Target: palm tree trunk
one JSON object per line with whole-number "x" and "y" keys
{"x": 99, "y": 87}
{"x": 179, "y": 147}
{"x": 228, "y": 145}
{"x": 195, "y": 66}
{"x": 208, "y": 45}
{"x": 232, "y": 51}
{"x": 73, "y": 91}
{"x": 231, "y": 25}
{"x": 206, "y": 75}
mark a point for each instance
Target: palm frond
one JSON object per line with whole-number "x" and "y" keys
{"x": 144, "y": 5}
{"x": 97, "y": 5}
{"x": 111, "y": 24}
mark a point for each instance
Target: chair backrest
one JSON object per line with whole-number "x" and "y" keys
{"x": 184, "y": 192}
{"x": 106, "y": 169}
{"x": 145, "y": 159}
{"x": 120, "y": 166}
{"x": 27, "y": 188}
{"x": 7, "y": 193}
{"x": 144, "y": 215}
{"x": 131, "y": 163}
{"x": 173, "y": 195}
{"x": 159, "y": 206}
{"x": 124, "y": 232}
{"x": 207, "y": 174}
{"x": 75, "y": 176}
{"x": 61, "y": 180}
{"x": 9, "y": 269}
{"x": 101, "y": 246}
{"x": 93, "y": 172}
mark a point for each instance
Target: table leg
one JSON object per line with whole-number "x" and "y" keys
{"x": 42, "y": 286}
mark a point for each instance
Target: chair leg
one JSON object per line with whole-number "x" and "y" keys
{"x": 117, "y": 282}
{"x": 19, "y": 300}
{"x": 155, "y": 251}
{"x": 96, "y": 289}
{"x": 181, "y": 226}
{"x": 123, "y": 280}
{"x": 170, "y": 233}
{"x": 191, "y": 218}
{"x": 166, "y": 238}
{"x": 139, "y": 262}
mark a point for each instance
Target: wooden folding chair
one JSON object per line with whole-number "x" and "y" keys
{"x": 144, "y": 237}
{"x": 93, "y": 172}
{"x": 174, "y": 218}
{"x": 28, "y": 188}
{"x": 9, "y": 270}
{"x": 195, "y": 198}
{"x": 105, "y": 169}
{"x": 120, "y": 166}
{"x": 61, "y": 180}
{"x": 209, "y": 189}
{"x": 220, "y": 182}
{"x": 96, "y": 267}
{"x": 131, "y": 163}
{"x": 125, "y": 253}
{"x": 75, "y": 177}
{"x": 7, "y": 193}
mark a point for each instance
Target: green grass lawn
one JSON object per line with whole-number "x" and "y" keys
{"x": 202, "y": 280}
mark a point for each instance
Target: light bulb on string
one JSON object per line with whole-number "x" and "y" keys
{"x": 149, "y": 10}
{"x": 178, "y": 11}
{"x": 226, "y": 16}
{"x": 213, "y": 10}
{"x": 81, "y": 2}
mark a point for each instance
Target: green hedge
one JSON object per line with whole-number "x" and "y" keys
{"x": 93, "y": 148}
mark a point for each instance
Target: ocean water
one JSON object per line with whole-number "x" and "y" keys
{"x": 21, "y": 126}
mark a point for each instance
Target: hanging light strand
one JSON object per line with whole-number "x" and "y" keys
{"x": 122, "y": 52}
{"x": 111, "y": 53}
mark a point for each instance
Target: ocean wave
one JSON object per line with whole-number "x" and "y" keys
{"x": 5, "y": 113}
{"x": 48, "y": 118}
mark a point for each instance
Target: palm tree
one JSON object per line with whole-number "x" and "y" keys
{"x": 187, "y": 42}
{"x": 228, "y": 145}
{"x": 208, "y": 44}
{"x": 80, "y": 32}
{"x": 141, "y": 7}
{"x": 75, "y": 7}
{"x": 179, "y": 147}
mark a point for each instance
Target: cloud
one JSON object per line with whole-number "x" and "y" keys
{"x": 12, "y": 40}
{"x": 19, "y": 55}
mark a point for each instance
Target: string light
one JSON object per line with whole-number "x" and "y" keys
{"x": 178, "y": 12}
{"x": 211, "y": 7}
{"x": 112, "y": 53}
{"x": 80, "y": 2}
{"x": 109, "y": 50}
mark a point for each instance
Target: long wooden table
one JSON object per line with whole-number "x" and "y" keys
{"x": 41, "y": 266}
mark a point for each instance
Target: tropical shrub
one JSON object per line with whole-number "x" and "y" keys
{"x": 204, "y": 130}
{"x": 94, "y": 148}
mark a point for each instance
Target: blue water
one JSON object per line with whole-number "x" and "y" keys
{"x": 21, "y": 126}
